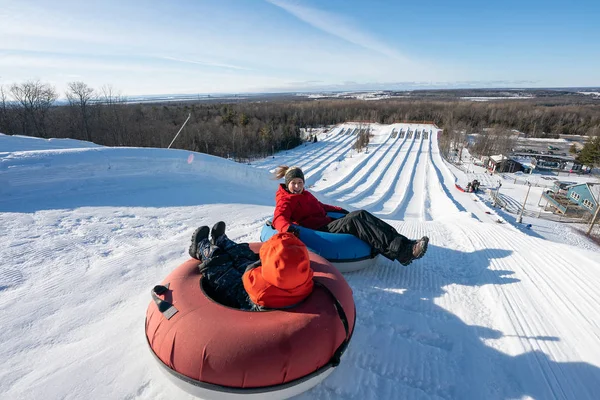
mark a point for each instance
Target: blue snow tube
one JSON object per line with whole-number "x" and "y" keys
{"x": 346, "y": 252}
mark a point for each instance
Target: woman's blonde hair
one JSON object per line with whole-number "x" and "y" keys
{"x": 280, "y": 171}
{"x": 289, "y": 173}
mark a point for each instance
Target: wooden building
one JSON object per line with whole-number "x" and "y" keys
{"x": 501, "y": 163}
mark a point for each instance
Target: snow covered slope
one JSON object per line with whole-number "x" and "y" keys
{"x": 489, "y": 313}
{"x": 28, "y": 143}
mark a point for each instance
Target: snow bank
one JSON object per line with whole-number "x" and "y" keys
{"x": 543, "y": 140}
{"x": 12, "y": 143}
{"x": 23, "y": 174}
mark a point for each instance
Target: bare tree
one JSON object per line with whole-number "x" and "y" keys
{"x": 494, "y": 141}
{"x": 4, "y": 118}
{"x": 111, "y": 115}
{"x": 453, "y": 138}
{"x": 35, "y": 98}
{"x": 362, "y": 138}
{"x": 81, "y": 95}
{"x": 205, "y": 136}
{"x": 236, "y": 127}
{"x": 506, "y": 140}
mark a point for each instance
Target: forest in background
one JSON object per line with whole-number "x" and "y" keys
{"x": 256, "y": 128}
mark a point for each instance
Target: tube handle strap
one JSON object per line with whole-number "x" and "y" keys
{"x": 167, "y": 309}
{"x": 337, "y": 355}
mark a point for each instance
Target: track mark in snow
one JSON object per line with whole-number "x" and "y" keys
{"x": 315, "y": 172}
{"x": 10, "y": 278}
{"x": 334, "y": 147}
{"x": 361, "y": 172}
{"x": 309, "y": 150}
{"x": 408, "y": 203}
{"x": 305, "y": 160}
{"x": 446, "y": 181}
{"x": 365, "y": 196}
{"x": 429, "y": 183}
{"x": 140, "y": 392}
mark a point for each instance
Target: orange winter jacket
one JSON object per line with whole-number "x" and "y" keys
{"x": 285, "y": 276}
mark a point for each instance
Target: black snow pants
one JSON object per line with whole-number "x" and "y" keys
{"x": 222, "y": 268}
{"x": 381, "y": 236}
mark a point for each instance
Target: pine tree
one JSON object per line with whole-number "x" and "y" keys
{"x": 590, "y": 154}
{"x": 573, "y": 149}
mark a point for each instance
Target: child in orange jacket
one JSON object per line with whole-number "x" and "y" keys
{"x": 284, "y": 277}
{"x": 279, "y": 277}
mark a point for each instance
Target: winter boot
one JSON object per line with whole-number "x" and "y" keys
{"x": 417, "y": 250}
{"x": 217, "y": 231}
{"x": 219, "y": 238}
{"x": 197, "y": 236}
{"x": 420, "y": 248}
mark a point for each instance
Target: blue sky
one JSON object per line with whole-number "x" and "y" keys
{"x": 225, "y": 46}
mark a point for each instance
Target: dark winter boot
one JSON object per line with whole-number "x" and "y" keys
{"x": 219, "y": 238}
{"x": 217, "y": 230}
{"x": 420, "y": 248}
{"x": 197, "y": 236}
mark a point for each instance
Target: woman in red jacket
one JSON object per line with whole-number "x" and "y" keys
{"x": 294, "y": 206}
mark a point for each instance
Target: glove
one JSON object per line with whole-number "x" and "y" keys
{"x": 293, "y": 229}
{"x": 343, "y": 211}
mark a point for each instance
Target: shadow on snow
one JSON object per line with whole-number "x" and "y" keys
{"x": 407, "y": 346}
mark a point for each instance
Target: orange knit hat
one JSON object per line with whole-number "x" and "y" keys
{"x": 285, "y": 261}
{"x": 285, "y": 276}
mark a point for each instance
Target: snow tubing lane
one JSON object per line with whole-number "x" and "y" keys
{"x": 214, "y": 351}
{"x": 346, "y": 252}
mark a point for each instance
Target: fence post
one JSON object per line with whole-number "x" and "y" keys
{"x": 520, "y": 218}
{"x": 593, "y": 220}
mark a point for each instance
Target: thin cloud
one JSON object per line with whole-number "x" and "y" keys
{"x": 353, "y": 86}
{"x": 205, "y": 63}
{"x": 337, "y": 26}
{"x": 45, "y": 62}
{"x": 305, "y": 83}
{"x": 21, "y": 21}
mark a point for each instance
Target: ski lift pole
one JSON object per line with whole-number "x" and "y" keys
{"x": 180, "y": 129}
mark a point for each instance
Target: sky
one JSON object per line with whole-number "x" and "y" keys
{"x": 236, "y": 46}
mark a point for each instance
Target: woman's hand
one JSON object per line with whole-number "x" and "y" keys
{"x": 293, "y": 229}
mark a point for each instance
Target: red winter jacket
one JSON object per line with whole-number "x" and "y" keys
{"x": 300, "y": 209}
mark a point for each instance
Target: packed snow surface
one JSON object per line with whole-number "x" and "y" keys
{"x": 492, "y": 311}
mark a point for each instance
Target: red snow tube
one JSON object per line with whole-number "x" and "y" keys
{"x": 214, "y": 351}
